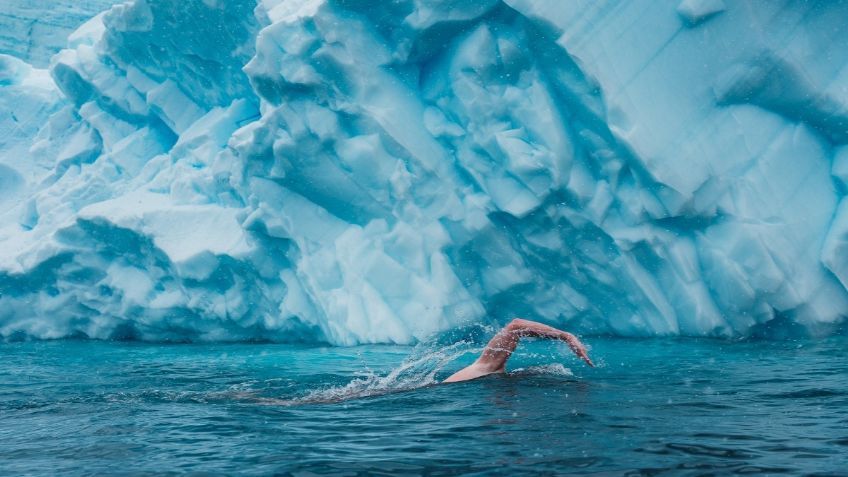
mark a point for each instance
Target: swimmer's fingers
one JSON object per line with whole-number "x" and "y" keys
{"x": 578, "y": 348}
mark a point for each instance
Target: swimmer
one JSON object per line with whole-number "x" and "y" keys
{"x": 493, "y": 358}
{"x": 491, "y": 361}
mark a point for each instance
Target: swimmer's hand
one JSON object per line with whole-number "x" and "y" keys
{"x": 576, "y": 346}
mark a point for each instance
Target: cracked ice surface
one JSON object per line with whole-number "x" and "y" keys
{"x": 363, "y": 171}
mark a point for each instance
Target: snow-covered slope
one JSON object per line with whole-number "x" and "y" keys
{"x": 366, "y": 171}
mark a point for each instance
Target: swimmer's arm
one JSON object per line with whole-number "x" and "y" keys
{"x": 500, "y": 348}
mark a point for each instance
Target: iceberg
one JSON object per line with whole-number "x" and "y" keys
{"x": 356, "y": 171}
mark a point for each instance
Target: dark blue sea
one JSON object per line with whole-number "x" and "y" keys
{"x": 652, "y": 407}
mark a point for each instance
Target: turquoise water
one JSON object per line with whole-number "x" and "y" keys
{"x": 652, "y": 407}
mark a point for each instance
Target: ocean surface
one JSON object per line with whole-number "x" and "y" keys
{"x": 651, "y": 407}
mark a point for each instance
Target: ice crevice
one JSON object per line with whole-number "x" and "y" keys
{"x": 354, "y": 171}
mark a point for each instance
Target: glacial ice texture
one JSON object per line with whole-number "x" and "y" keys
{"x": 355, "y": 171}
{"x": 34, "y": 30}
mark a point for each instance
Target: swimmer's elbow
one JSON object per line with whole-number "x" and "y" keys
{"x": 517, "y": 324}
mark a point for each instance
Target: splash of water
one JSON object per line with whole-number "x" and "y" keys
{"x": 416, "y": 371}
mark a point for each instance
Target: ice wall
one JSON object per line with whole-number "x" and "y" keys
{"x": 364, "y": 171}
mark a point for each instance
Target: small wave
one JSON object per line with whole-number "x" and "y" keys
{"x": 552, "y": 369}
{"x": 807, "y": 394}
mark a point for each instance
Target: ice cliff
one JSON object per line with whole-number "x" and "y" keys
{"x": 369, "y": 171}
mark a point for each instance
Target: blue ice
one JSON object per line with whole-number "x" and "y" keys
{"x": 354, "y": 171}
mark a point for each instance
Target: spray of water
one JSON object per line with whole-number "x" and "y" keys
{"x": 417, "y": 371}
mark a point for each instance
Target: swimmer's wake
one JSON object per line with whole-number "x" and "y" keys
{"x": 415, "y": 372}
